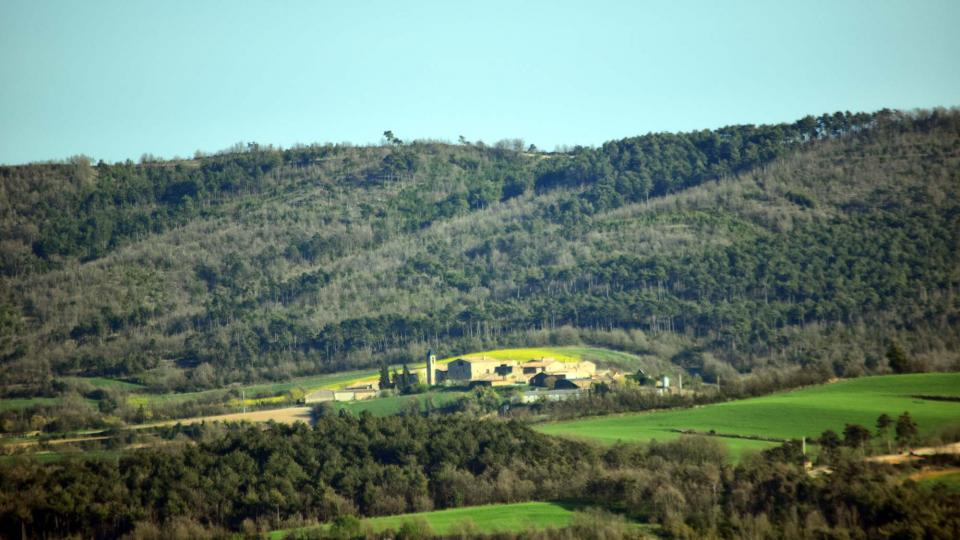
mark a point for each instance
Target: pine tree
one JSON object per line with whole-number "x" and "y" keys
{"x": 384, "y": 377}
{"x": 883, "y": 428}
{"x": 906, "y": 429}
{"x": 897, "y": 358}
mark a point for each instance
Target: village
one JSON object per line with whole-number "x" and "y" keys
{"x": 544, "y": 378}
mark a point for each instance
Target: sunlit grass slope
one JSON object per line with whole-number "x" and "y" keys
{"x": 487, "y": 519}
{"x": 395, "y": 404}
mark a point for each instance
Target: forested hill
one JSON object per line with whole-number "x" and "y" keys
{"x": 816, "y": 242}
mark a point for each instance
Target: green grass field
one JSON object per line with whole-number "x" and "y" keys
{"x": 15, "y": 404}
{"x": 103, "y": 382}
{"x": 256, "y": 392}
{"x": 805, "y": 412}
{"x": 394, "y": 404}
{"x": 951, "y": 481}
{"x": 487, "y": 519}
{"x": 314, "y": 382}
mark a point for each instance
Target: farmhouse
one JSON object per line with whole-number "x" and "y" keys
{"x": 495, "y": 372}
{"x": 537, "y": 366}
{"x": 544, "y": 380}
{"x": 470, "y": 369}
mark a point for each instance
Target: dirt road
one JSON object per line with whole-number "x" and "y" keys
{"x": 917, "y": 454}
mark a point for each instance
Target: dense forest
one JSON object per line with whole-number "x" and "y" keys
{"x": 236, "y": 478}
{"x": 815, "y": 242}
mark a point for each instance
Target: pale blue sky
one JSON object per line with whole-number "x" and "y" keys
{"x": 116, "y": 79}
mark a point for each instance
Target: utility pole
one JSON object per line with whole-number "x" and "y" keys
{"x": 243, "y": 400}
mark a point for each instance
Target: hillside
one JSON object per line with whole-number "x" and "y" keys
{"x": 763, "y": 422}
{"x": 814, "y": 243}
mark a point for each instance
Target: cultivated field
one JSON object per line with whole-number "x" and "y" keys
{"x": 805, "y": 412}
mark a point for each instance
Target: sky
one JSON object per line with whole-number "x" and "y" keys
{"x": 114, "y": 80}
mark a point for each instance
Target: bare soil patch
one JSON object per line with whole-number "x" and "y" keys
{"x": 916, "y": 454}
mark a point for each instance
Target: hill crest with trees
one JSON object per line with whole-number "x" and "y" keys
{"x": 816, "y": 242}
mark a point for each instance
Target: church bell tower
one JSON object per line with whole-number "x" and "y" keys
{"x": 431, "y": 368}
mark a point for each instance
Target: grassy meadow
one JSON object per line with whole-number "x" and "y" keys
{"x": 486, "y": 519}
{"x": 15, "y": 404}
{"x": 950, "y": 480}
{"x": 395, "y": 404}
{"x": 104, "y": 382}
{"x": 805, "y": 412}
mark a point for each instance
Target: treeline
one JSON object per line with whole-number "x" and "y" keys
{"x": 82, "y": 209}
{"x": 260, "y": 478}
{"x": 634, "y": 169}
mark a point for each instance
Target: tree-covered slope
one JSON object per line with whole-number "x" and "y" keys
{"x": 812, "y": 242}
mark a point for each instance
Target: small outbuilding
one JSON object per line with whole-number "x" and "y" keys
{"x": 319, "y": 396}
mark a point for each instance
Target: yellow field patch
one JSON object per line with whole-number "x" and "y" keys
{"x": 523, "y": 355}
{"x": 258, "y": 401}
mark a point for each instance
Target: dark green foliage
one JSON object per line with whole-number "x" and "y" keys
{"x": 345, "y": 527}
{"x": 855, "y": 435}
{"x": 897, "y": 359}
{"x": 384, "y": 381}
{"x": 811, "y": 243}
{"x": 240, "y": 477}
{"x": 374, "y": 466}
{"x": 906, "y": 429}
{"x": 829, "y": 440}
